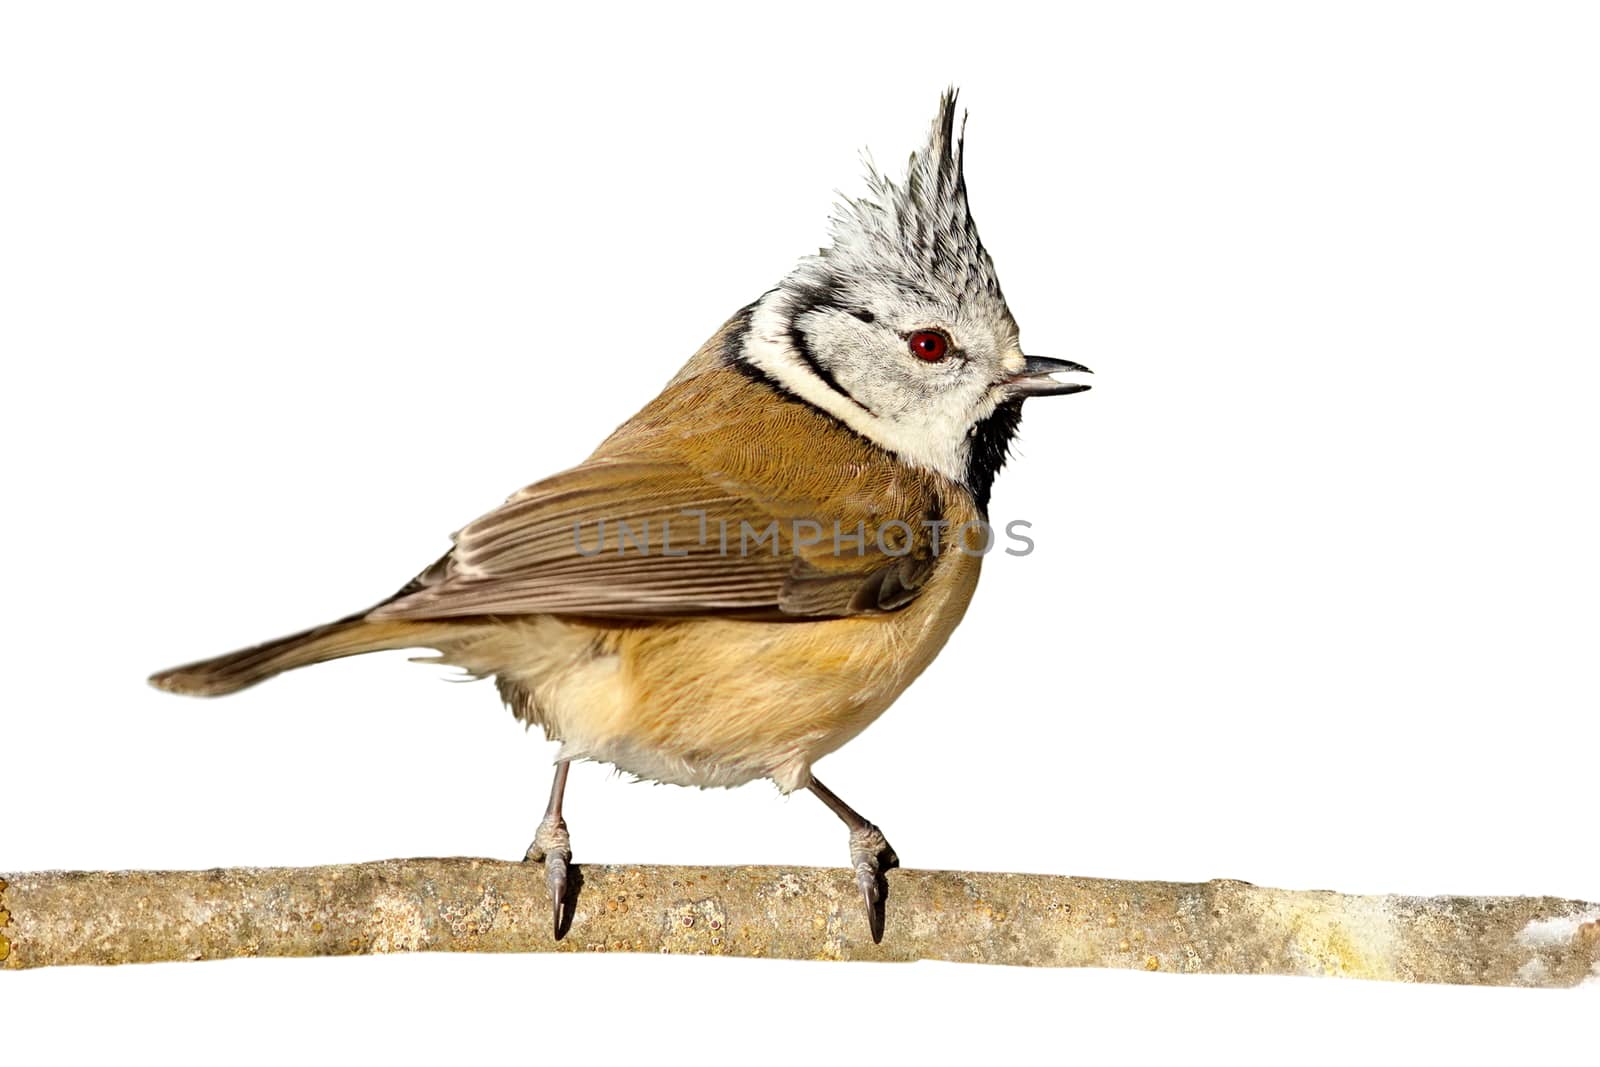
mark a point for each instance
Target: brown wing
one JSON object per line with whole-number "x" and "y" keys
{"x": 687, "y": 512}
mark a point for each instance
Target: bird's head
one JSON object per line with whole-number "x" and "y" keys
{"x": 899, "y": 328}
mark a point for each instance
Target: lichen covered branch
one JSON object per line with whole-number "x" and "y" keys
{"x": 475, "y": 905}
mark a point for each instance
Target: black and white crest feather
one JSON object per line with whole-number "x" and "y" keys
{"x": 916, "y": 235}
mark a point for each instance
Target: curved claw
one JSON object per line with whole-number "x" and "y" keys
{"x": 871, "y": 855}
{"x": 553, "y": 847}
{"x": 555, "y": 876}
{"x": 872, "y": 895}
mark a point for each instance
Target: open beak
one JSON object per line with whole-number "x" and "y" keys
{"x": 1035, "y": 380}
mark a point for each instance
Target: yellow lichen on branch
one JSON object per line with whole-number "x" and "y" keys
{"x": 476, "y": 905}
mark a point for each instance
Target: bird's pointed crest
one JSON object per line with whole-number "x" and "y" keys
{"x": 916, "y": 234}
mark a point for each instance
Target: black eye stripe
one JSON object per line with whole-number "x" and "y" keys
{"x": 863, "y": 314}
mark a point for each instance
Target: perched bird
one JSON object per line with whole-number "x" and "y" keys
{"x": 750, "y": 570}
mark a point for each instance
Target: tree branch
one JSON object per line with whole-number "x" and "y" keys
{"x": 477, "y": 905}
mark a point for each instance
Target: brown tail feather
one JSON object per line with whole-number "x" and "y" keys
{"x": 347, "y": 637}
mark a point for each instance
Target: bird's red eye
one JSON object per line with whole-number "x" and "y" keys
{"x": 930, "y": 345}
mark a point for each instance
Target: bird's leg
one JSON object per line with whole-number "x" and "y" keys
{"x": 553, "y": 847}
{"x": 870, "y": 855}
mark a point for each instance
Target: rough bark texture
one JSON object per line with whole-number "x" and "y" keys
{"x": 477, "y": 905}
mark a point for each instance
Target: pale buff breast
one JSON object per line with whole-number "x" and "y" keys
{"x": 720, "y": 702}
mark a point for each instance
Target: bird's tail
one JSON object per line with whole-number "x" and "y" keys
{"x": 348, "y": 637}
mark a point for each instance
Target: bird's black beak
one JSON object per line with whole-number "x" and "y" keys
{"x": 1035, "y": 380}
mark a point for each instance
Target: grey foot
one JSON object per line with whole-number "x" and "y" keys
{"x": 871, "y": 855}
{"x": 552, "y": 846}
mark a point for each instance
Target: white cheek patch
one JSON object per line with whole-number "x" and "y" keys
{"x": 934, "y": 437}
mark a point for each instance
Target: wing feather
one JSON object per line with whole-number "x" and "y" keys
{"x": 649, "y": 527}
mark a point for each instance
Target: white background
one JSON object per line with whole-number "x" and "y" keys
{"x": 290, "y": 291}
